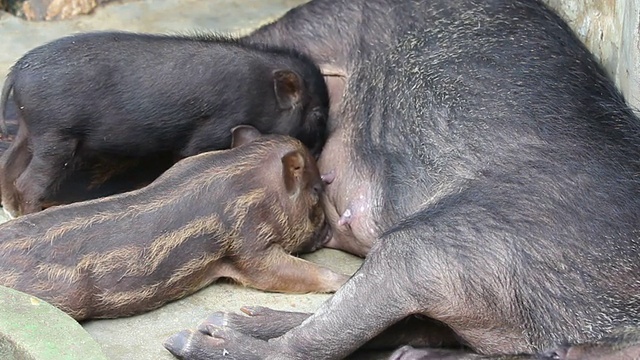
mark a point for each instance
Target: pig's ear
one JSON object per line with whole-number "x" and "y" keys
{"x": 288, "y": 88}
{"x": 293, "y": 171}
{"x": 243, "y": 134}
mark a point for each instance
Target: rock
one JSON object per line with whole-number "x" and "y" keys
{"x": 38, "y": 10}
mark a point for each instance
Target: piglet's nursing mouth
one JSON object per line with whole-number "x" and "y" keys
{"x": 321, "y": 237}
{"x": 325, "y": 234}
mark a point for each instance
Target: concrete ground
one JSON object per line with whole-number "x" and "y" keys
{"x": 140, "y": 337}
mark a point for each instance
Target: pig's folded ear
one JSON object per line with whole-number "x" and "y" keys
{"x": 243, "y": 134}
{"x": 293, "y": 171}
{"x": 288, "y": 88}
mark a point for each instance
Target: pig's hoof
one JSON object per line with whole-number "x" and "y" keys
{"x": 254, "y": 327}
{"x": 179, "y": 344}
{"x": 262, "y": 323}
{"x": 218, "y": 319}
{"x": 226, "y": 343}
{"x": 196, "y": 345}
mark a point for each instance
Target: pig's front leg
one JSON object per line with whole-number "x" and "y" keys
{"x": 264, "y": 323}
{"x": 368, "y": 303}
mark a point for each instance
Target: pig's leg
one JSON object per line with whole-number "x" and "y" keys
{"x": 49, "y": 163}
{"x": 279, "y": 271}
{"x": 375, "y": 298}
{"x": 13, "y": 163}
{"x": 264, "y": 323}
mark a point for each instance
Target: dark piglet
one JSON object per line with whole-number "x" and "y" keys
{"x": 484, "y": 164}
{"x": 136, "y": 95}
{"x": 236, "y": 213}
{"x": 91, "y": 178}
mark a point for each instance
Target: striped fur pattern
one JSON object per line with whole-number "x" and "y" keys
{"x": 218, "y": 214}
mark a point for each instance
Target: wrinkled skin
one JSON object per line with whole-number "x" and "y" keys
{"x": 485, "y": 166}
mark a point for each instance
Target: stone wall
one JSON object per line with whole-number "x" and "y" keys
{"x": 610, "y": 28}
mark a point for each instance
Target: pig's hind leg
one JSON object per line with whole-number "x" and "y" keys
{"x": 51, "y": 160}
{"x": 13, "y": 163}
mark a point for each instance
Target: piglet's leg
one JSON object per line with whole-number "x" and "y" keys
{"x": 49, "y": 163}
{"x": 281, "y": 272}
{"x": 13, "y": 163}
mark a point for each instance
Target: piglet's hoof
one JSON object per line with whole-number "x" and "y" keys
{"x": 218, "y": 319}
{"x": 408, "y": 352}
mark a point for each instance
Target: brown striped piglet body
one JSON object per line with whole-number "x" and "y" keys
{"x": 237, "y": 213}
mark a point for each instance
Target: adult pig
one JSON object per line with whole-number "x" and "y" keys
{"x": 484, "y": 164}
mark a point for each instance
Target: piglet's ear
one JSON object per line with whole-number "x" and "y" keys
{"x": 293, "y": 171}
{"x": 243, "y": 134}
{"x": 288, "y": 88}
